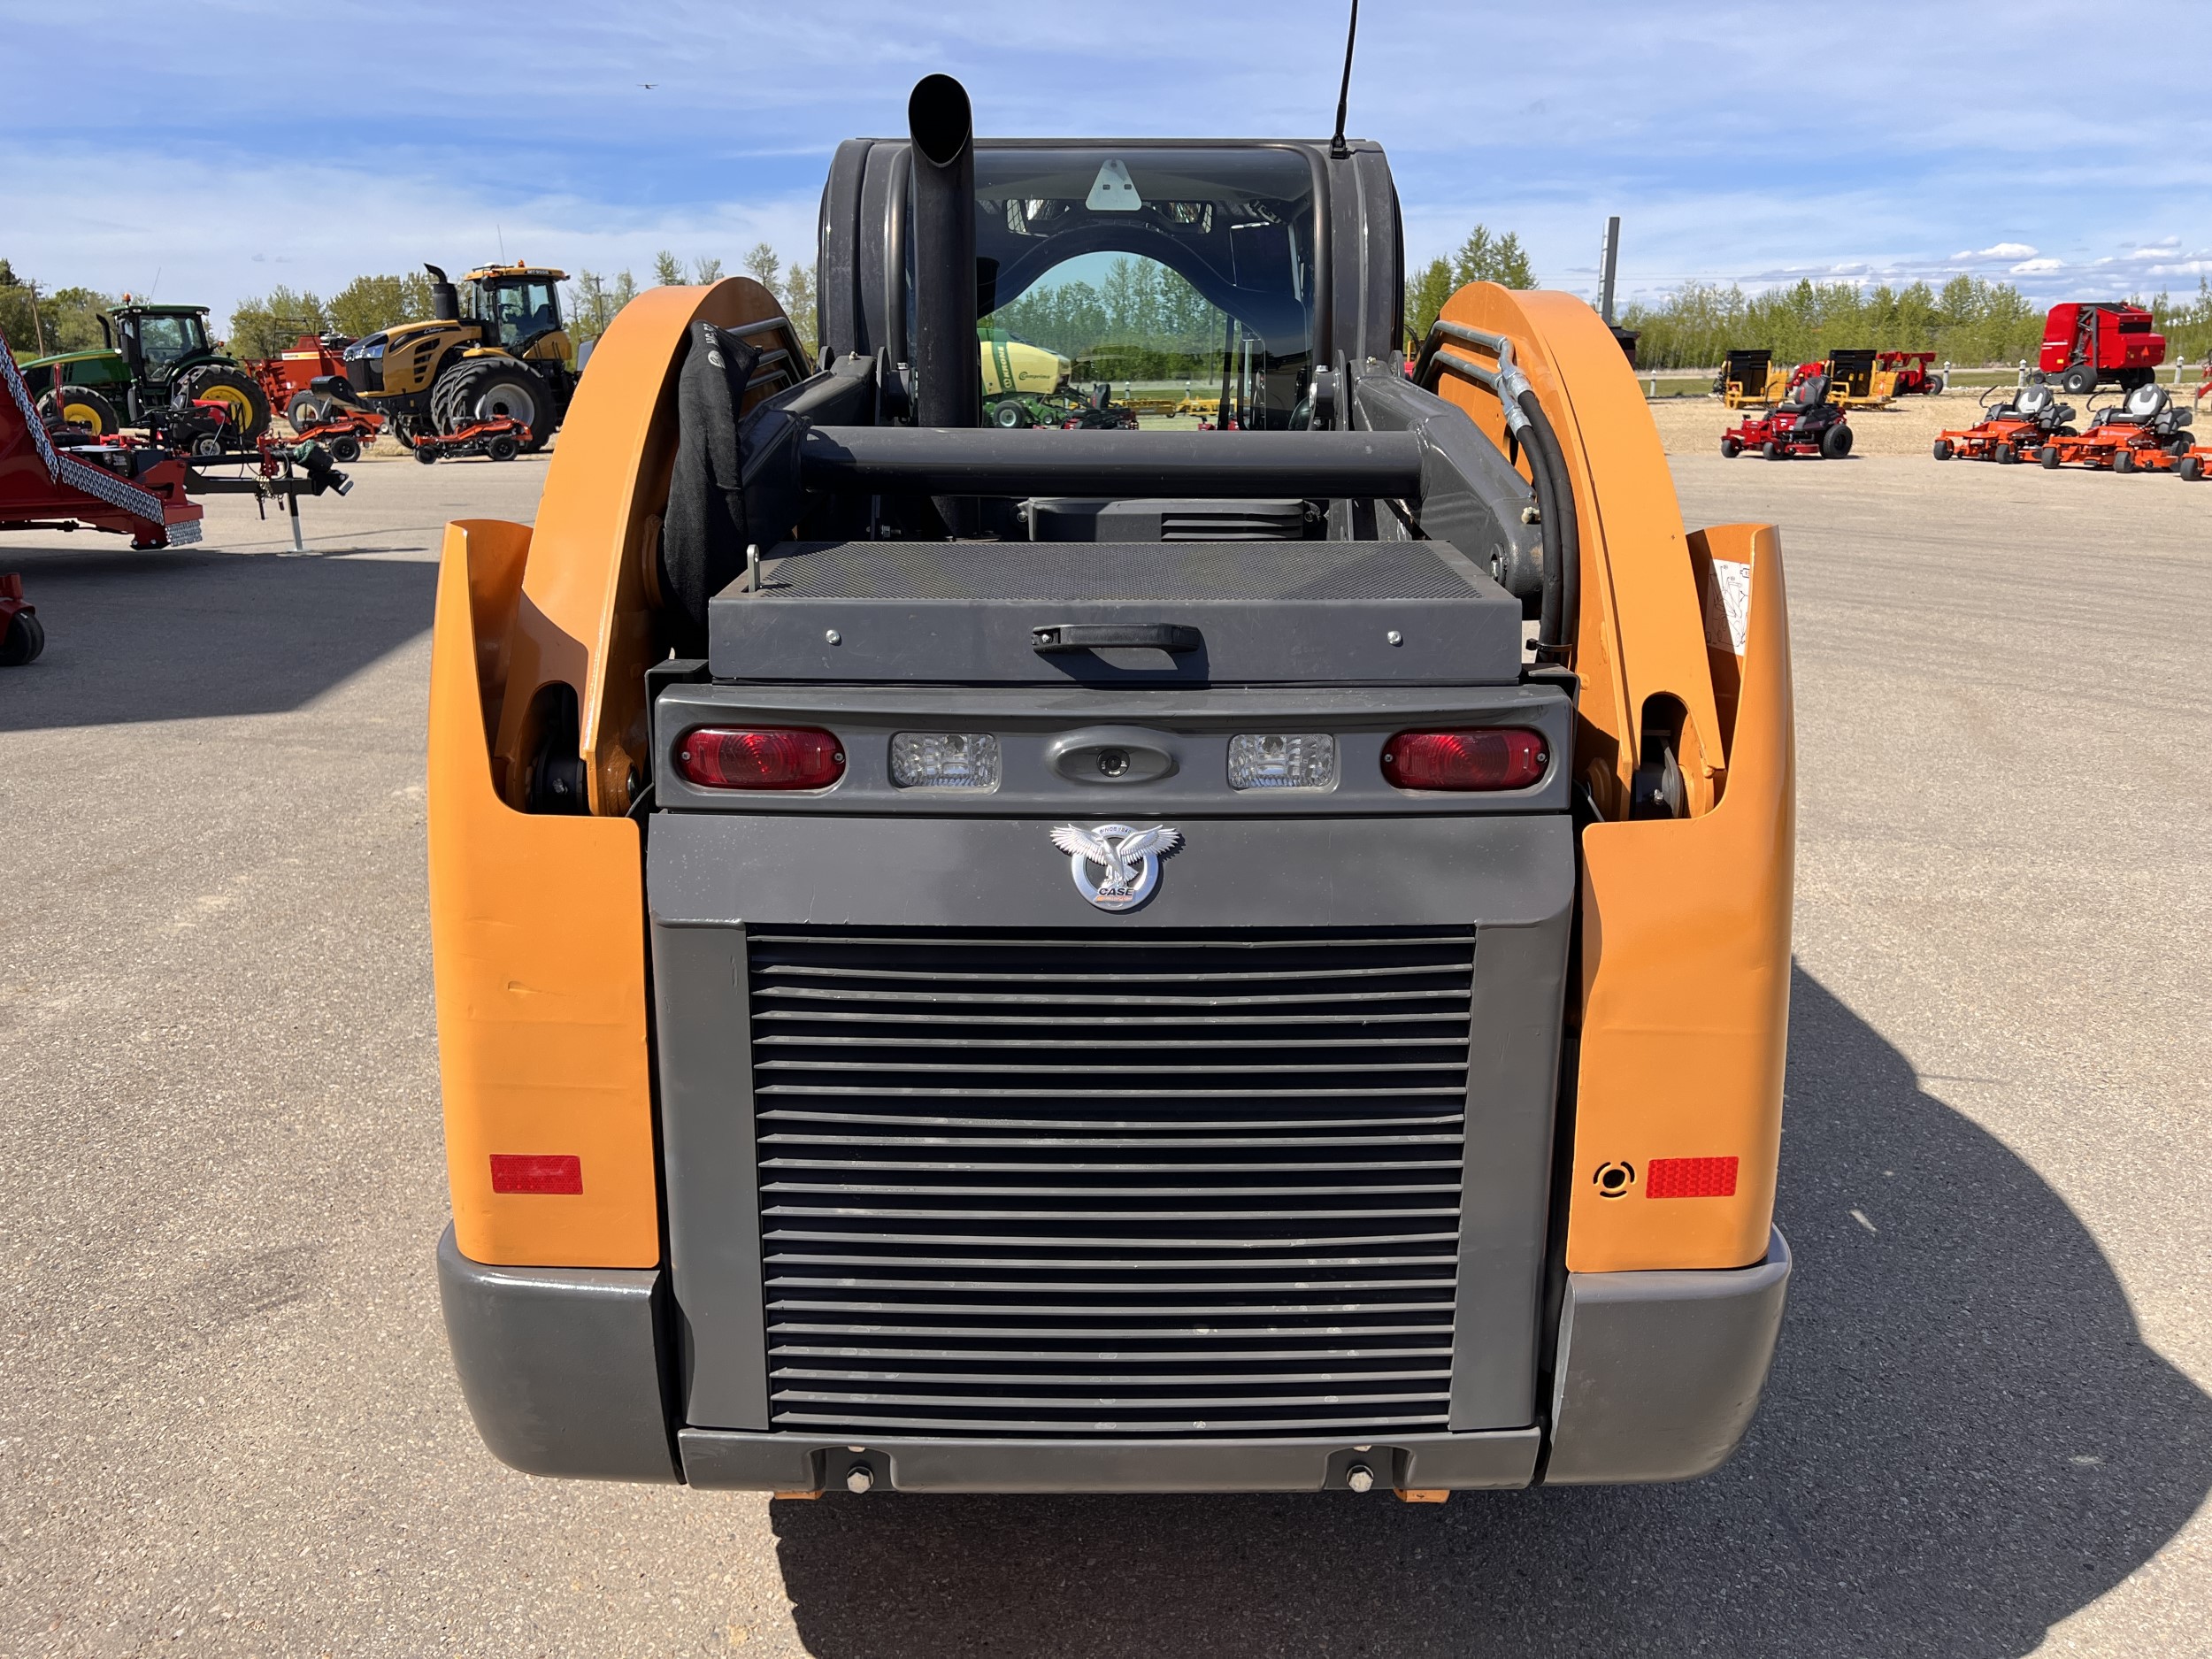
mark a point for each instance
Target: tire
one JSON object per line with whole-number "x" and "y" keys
{"x": 2079, "y": 380}
{"x": 2003, "y": 454}
{"x": 1936, "y": 384}
{"x": 345, "y": 449}
{"x": 2048, "y": 456}
{"x": 1731, "y": 448}
{"x": 306, "y": 409}
{"x": 2192, "y": 468}
{"x": 2123, "y": 461}
{"x": 23, "y": 641}
{"x": 1943, "y": 449}
{"x": 1835, "y": 443}
{"x": 427, "y": 455}
{"x": 502, "y": 448}
{"x": 249, "y": 403}
{"x": 478, "y": 389}
{"x": 209, "y": 446}
{"x": 1010, "y": 414}
{"x": 82, "y": 406}
{"x": 1770, "y": 449}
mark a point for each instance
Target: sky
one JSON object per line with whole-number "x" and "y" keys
{"x": 253, "y": 143}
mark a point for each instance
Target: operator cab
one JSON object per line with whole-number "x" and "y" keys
{"x": 155, "y": 342}
{"x": 517, "y": 306}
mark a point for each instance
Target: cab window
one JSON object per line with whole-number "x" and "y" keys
{"x": 164, "y": 341}
{"x": 523, "y": 311}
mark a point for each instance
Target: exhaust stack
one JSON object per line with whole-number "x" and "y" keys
{"x": 949, "y": 385}
{"x": 445, "y": 305}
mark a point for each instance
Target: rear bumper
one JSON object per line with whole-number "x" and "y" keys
{"x": 570, "y": 1371}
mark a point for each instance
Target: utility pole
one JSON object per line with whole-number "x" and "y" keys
{"x": 38, "y": 329}
{"x": 1608, "y": 262}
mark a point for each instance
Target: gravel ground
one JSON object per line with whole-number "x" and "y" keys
{"x": 227, "y": 1425}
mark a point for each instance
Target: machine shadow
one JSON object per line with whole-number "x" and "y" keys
{"x": 183, "y": 636}
{"x": 1963, "y": 1441}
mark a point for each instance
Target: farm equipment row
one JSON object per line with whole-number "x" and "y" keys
{"x": 2145, "y": 432}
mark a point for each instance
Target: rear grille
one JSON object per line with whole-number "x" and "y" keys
{"x": 1169, "y": 1183}
{"x": 1260, "y": 521}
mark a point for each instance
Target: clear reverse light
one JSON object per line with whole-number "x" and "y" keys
{"x": 944, "y": 760}
{"x": 1282, "y": 760}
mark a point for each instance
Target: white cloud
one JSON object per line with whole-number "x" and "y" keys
{"x": 2038, "y": 267}
{"x": 2000, "y": 251}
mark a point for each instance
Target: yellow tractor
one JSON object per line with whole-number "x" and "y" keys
{"x": 495, "y": 346}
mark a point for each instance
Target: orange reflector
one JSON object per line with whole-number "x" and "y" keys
{"x": 1690, "y": 1178}
{"x": 558, "y": 1172}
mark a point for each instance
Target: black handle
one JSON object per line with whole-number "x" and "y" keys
{"x": 1086, "y": 636}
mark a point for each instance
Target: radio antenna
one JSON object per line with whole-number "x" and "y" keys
{"x": 1337, "y": 150}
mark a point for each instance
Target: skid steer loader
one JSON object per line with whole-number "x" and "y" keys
{"x": 1046, "y": 961}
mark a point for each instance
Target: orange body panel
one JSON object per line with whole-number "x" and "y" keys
{"x": 1686, "y": 923}
{"x": 537, "y": 928}
{"x": 538, "y": 921}
{"x": 1686, "y": 961}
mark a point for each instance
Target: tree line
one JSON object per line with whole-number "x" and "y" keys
{"x": 1969, "y": 320}
{"x": 1141, "y": 321}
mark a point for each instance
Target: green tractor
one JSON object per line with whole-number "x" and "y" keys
{"x": 156, "y": 357}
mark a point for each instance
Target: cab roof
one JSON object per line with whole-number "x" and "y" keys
{"x": 483, "y": 272}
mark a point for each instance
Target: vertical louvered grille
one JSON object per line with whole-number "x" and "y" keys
{"x": 1162, "y": 1183}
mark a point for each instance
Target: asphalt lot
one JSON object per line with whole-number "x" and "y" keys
{"x": 227, "y": 1425}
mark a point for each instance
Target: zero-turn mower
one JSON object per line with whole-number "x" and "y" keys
{"x": 1047, "y": 961}
{"x": 2126, "y": 436}
{"x": 2015, "y": 424}
{"x": 1808, "y": 423}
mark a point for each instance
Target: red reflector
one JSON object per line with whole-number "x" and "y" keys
{"x": 762, "y": 758}
{"x": 1690, "y": 1178}
{"x": 1487, "y": 757}
{"x": 537, "y": 1172}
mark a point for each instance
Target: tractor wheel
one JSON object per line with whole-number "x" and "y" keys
{"x": 2079, "y": 380}
{"x": 1943, "y": 449}
{"x": 2192, "y": 468}
{"x": 239, "y": 393}
{"x": 82, "y": 406}
{"x": 2048, "y": 456}
{"x": 2123, "y": 461}
{"x": 345, "y": 449}
{"x": 22, "y": 642}
{"x": 479, "y": 388}
{"x": 306, "y": 409}
{"x": 503, "y": 448}
{"x": 2003, "y": 454}
{"x": 1835, "y": 443}
{"x": 1730, "y": 446}
{"x": 1770, "y": 449}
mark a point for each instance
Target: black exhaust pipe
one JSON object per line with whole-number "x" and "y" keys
{"x": 445, "y": 305}
{"x": 948, "y": 374}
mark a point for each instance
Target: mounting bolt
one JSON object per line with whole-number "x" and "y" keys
{"x": 835, "y": 637}
{"x": 861, "y": 1479}
{"x": 1395, "y": 637}
{"x": 1360, "y": 1478}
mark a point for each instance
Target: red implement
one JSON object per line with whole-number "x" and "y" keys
{"x": 112, "y": 484}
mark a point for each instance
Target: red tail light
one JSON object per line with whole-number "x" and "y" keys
{"x": 1485, "y": 758}
{"x": 761, "y": 757}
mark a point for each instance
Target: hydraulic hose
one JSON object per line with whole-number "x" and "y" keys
{"x": 1526, "y": 422}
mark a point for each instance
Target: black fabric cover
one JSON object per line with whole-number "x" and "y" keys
{"x": 705, "y": 531}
